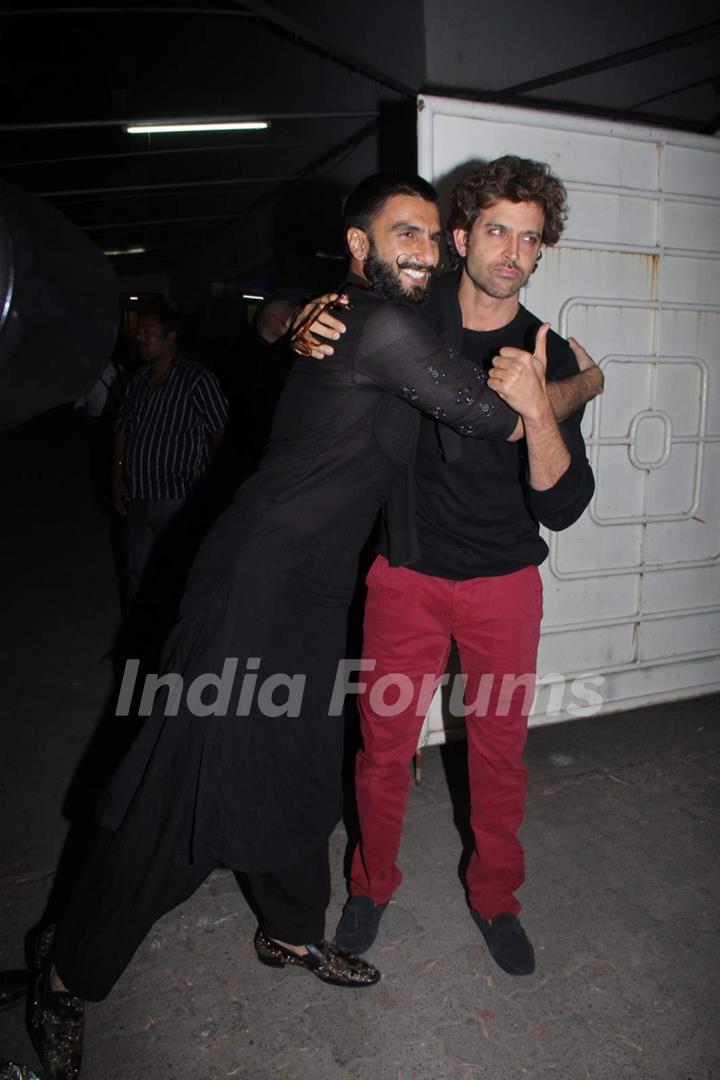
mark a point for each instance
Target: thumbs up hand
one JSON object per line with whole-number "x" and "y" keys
{"x": 518, "y": 377}
{"x": 540, "y": 350}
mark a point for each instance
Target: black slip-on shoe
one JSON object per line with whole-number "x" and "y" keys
{"x": 359, "y": 924}
{"x": 14, "y": 987}
{"x": 508, "y": 943}
{"x": 56, "y": 1021}
{"x": 328, "y": 962}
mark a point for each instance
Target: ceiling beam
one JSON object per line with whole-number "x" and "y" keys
{"x": 628, "y": 56}
{"x": 340, "y": 151}
{"x": 174, "y": 184}
{"x": 289, "y": 28}
{"x": 244, "y": 9}
{"x": 154, "y": 153}
{"x": 676, "y": 90}
{"x": 115, "y": 9}
{"x": 571, "y": 107}
{"x": 153, "y": 222}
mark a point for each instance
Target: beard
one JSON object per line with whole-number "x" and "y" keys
{"x": 385, "y": 278}
{"x": 496, "y": 287}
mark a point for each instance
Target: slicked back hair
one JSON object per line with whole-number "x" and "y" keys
{"x": 517, "y": 180}
{"x": 367, "y": 200}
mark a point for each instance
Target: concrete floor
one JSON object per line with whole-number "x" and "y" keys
{"x": 621, "y": 899}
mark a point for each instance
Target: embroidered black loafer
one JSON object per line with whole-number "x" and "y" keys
{"x": 56, "y": 1021}
{"x": 508, "y": 943}
{"x": 328, "y": 962}
{"x": 359, "y": 924}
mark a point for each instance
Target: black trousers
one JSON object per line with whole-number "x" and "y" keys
{"x": 133, "y": 877}
{"x": 146, "y": 520}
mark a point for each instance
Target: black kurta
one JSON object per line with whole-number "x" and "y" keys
{"x": 273, "y": 581}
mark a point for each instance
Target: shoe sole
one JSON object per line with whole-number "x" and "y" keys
{"x": 322, "y": 978}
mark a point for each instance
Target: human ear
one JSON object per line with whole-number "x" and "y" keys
{"x": 357, "y": 243}
{"x": 460, "y": 237}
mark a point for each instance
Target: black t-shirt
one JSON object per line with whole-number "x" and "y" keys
{"x": 476, "y": 514}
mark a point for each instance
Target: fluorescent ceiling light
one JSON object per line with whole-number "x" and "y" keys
{"x": 125, "y": 251}
{"x": 133, "y": 297}
{"x": 231, "y": 125}
{"x": 251, "y": 296}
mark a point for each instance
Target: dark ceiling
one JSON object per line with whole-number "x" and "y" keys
{"x": 73, "y": 74}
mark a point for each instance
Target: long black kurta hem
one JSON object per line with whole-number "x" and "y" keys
{"x": 271, "y": 587}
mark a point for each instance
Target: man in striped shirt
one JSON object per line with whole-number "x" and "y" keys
{"x": 169, "y": 426}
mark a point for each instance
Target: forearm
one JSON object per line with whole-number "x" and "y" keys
{"x": 548, "y": 456}
{"x": 274, "y": 319}
{"x": 399, "y": 352}
{"x": 568, "y": 395}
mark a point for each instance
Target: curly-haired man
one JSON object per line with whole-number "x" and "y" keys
{"x": 473, "y": 552}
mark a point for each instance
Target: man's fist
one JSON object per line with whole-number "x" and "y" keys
{"x": 518, "y": 377}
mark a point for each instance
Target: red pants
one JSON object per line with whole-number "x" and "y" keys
{"x": 409, "y": 620}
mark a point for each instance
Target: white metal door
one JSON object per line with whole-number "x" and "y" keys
{"x": 632, "y": 591}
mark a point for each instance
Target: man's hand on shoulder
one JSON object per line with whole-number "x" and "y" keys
{"x": 305, "y": 323}
{"x": 585, "y": 362}
{"x": 315, "y": 320}
{"x": 569, "y": 395}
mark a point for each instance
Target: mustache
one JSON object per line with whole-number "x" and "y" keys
{"x": 409, "y": 263}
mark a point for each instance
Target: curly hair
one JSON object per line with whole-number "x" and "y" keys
{"x": 517, "y": 180}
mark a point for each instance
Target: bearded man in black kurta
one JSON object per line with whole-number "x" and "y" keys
{"x": 271, "y": 587}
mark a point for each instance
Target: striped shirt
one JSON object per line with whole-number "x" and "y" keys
{"x": 167, "y": 429}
